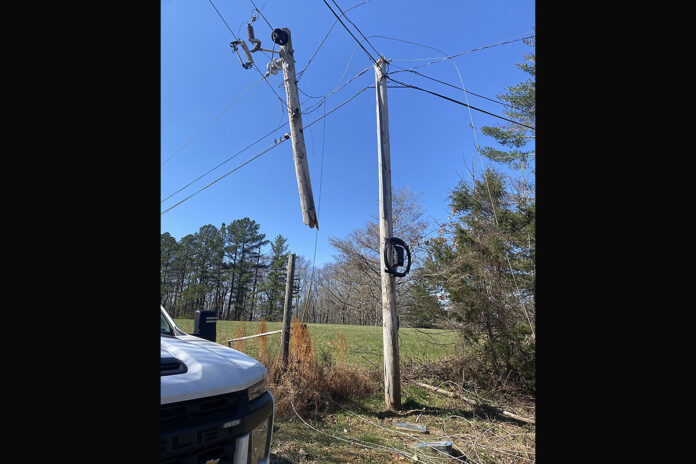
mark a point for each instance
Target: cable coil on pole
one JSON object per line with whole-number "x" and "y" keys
{"x": 396, "y": 246}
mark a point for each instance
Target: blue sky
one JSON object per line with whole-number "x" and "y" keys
{"x": 432, "y": 140}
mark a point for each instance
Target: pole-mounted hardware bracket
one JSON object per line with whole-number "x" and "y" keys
{"x": 247, "y": 52}
{"x": 394, "y": 256}
{"x": 248, "y": 64}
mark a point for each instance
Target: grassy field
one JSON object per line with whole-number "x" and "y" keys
{"x": 363, "y": 343}
{"x": 362, "y": 429}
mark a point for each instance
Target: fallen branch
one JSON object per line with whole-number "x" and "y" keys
{"x": 475, "y": 403}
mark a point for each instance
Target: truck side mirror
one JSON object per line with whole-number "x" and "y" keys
{"x": 205, "y": 325}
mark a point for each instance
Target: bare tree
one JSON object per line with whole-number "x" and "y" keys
{"x": 353, "y": 287}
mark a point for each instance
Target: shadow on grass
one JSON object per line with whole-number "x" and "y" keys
{"x": 279, "y": 460}
{"x": 413, "y": 408}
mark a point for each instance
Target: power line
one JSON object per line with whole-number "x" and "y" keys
{"x": 228, "y": 159}
{"x": 356, "y": 28}
{"x": 213, "y": 120}
{"x": 278, "y": 142}
{"x": 315, "y": 107}
{"x": 299, "y": 74}
{"x": 339, "y": 81}
{"x": 255, "y": 66}
{"x": 458, "y": 102}
{"x": 449, "y": 57}
{"x": 316, "y": 235}
{"x": 455, "y": 87}
{"x": 264, "y": 18}
{"x": 351, "y": 34}
{"x": 444, "y": 53}
{"x": 227, "y": 174}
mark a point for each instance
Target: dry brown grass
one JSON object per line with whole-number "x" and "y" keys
{"x": 340, "y": 348}
{"x": 263, "y": 343}
{"x": 240, "y": 331}
{"x": 310, "y": 384}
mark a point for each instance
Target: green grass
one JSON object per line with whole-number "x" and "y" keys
{"x": 363, "y": 430}
{"x": 363, "y": 343}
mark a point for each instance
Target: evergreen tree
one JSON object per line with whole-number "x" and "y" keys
{"x": 243, "y": 243}
{"x": 482, "y": 263}
{"x": 274, "y": 284}
{"x": 521, "y": 99}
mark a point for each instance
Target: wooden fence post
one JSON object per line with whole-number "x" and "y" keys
{"x": 285, "y": 343}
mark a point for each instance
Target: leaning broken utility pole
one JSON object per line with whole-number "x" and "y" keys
{"x": 282, "y": 37}
{"x": 299, "y": 152}
{"x": 390, "y": 327}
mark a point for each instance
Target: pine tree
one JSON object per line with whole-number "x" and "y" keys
{"x": 521, "y": 101}
{"x": 274, "y": 283}
{"x": 243, "y": 243}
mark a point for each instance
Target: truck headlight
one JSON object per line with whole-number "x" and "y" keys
{"x": 257, "y": 390}
{"x": 261, "y": 442}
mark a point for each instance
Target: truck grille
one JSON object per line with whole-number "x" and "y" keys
{"x": 195, "y": 431}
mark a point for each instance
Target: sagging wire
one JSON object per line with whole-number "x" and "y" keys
{"x": 278, "y": 142}
{"x": 413, "y": 437}
{"x": 390, "y": 449}
{"x": 212, "y": 121}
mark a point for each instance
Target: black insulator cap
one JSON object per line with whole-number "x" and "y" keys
{"x": 279, "y": 37}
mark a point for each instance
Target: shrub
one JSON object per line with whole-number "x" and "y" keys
{"x": 311, "y": 384}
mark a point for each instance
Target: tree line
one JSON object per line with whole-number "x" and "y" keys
{"x": 237, "y": 272}
{"x": 225, "y": 269}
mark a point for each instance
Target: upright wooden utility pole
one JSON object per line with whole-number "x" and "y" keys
{"x": 390, "y": 328}
{"x": 309, "y": 215}
{"x": 287, "y": 313}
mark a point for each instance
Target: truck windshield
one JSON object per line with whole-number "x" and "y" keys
{"x": 165, "y": 328}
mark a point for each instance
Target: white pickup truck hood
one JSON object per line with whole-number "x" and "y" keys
{"x": 212, "y": 369}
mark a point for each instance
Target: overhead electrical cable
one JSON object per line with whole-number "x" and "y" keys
{"x": 255, "y": 66}
{"x": 458, "y": 102}
{"x": 449, "y": 57}
{"x": 269, "y": 25}
{"x": 316, "y": 235}
{"x": 432, "y": 78}
{"x": 299, "y": 74}
{"x": 212, "y": 121}
{"x": 351, "y": 34}
{"x": 226, "y": 174}
{"x": 278, "y": 142}
{"x": 455, "y": 87}
{"x": 228, "y": 159}
{"x": 356, "y": 28}
{"x": 314, "y": 106}
{"x": 342, "y": 76}
{"x": 264, "y": 18}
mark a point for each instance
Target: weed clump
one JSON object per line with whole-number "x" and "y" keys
{"x": 240, "y": 331}
{"x": 310, "y": 384}
{"x": 263, "y": 344}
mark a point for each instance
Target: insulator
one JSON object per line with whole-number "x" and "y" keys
{"x": 274, "y": 66}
